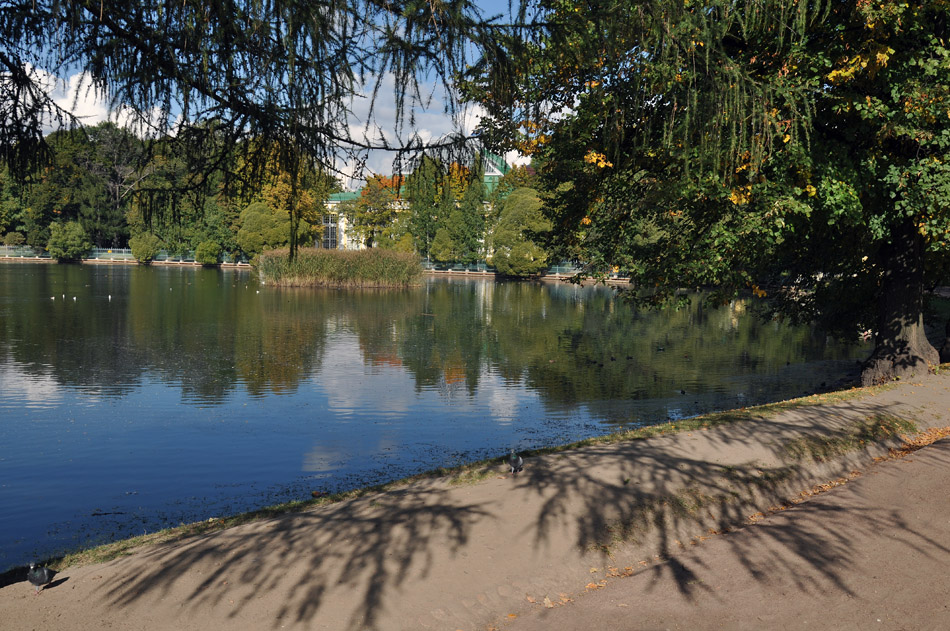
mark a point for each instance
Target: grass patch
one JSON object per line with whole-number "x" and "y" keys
{"x": 313, "y": 267}
{"x": 874, "y": 429}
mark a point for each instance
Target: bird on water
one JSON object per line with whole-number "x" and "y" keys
{"x": 515, "y": 462}
{"x": 39, "y": 577}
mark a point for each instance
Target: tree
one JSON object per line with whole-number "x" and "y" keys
{"x": 515, "y": 252}
{"x": 284, "y": 73}
{"x": 208, "y": 253}
{"x": 10, "y": 209}
{"x": 145, "y": 247}
{"x": 375, "y": 210}
{"x": 264, "y": 228}
{"x": 68, "y": 241}
{"x": 423, "y": 191}
{"x": 794, "y": 149}
{"x": 444, "y": 248}
{"x": 467, "y": 219}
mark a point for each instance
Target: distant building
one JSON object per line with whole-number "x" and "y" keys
{"x": 335, "y": 233}
{"x": 495, "y": 169}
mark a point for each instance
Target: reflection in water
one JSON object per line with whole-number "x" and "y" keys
{"x": 155, "y": 396}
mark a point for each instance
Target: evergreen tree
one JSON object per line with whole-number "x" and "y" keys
{"x": 468, "y": 219}
{"x": 423, "y": 190}
{"x": 285, "y": 73}
{"x": 794, "y": 149}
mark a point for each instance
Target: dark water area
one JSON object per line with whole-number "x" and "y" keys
{"x": 133, "y": 398}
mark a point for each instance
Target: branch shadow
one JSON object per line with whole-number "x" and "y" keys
{"x": 360, "y": 550}
{"x": 647, "y": 501}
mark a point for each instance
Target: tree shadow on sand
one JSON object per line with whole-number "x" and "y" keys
{"x": 356, "y": 551}
{"x": 646, "y": 501}
{"x": 350, "y": 564}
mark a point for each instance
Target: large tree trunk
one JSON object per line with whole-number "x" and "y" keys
{"x": 901, "y": 347}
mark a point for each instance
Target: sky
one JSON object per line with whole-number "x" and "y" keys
{"x": 73, "y": 94}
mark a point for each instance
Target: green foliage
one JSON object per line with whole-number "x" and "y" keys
{"x": 90, "y": 180}
{"x": 423, "y": 187}
{"x": 515, "y": 252}
{"x": 263, "y": 228}
{"x": 519, "y": 176}
{"x": 145, "y": 247}
{"x": 283, "y": 72}
{"x": 13, "y": 239}
{"x": 444, "y": 249}
{"x": 375, "y": 210}
{"x": 10, "y": 210}
{"x": 338, "y": 268}
{"x": 795, "y": 150}
{"x": 208, "y": 253}
{"x": 467, "y": 220}
{"x": 68, "y": 241}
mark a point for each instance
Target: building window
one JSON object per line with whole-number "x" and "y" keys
{"x": 329, "y": 231}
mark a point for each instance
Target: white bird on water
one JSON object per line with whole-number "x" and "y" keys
{"x": 515, "y": 462}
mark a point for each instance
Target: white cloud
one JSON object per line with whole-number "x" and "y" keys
{"x": 31, "y": 390}
{"x": 429, "y": 121}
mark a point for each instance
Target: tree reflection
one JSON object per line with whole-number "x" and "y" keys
{"x": 211, "y": 332}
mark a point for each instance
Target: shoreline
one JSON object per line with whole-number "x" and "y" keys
{"x": 468, "y": 473}
{"x": 464, "y": 548}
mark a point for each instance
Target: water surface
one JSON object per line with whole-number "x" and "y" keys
{"x": 136, "y": 398}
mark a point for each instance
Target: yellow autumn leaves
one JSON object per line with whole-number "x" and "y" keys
{"x": 598, "y": 159}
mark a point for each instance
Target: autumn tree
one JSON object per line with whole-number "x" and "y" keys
{"x": 375, "y": 210}
{"x": 791, "y": 149}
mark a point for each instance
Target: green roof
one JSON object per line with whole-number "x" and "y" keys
{"x": 344, "y": 196}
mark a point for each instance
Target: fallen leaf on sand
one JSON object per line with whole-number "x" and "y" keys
{"x": 512, "y": 616}
{"x": 566, "y": 599}
{"x": 548, "y": 603}
{"x": 593, "y": 570}
{"x": 530, "y": 599}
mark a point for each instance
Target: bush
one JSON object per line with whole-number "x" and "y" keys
{"x": 145, "y": 247}
{"x": 68, "y": 241}
{"x": 337, "y": 268}
{"x": 14, "y": 239}
{"x": 208, "y": 253}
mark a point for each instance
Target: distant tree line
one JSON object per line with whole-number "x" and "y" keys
{"x": 444, "y": 213}
{"x": 106, "y": 188}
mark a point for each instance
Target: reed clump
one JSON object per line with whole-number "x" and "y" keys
{"x": 312, "y": 267}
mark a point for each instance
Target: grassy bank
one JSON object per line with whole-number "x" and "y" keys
{"x": 338, "y": 268}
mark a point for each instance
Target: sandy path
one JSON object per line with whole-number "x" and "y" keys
{"x": 436, "y": 556}
{"x": 871, "y": 554}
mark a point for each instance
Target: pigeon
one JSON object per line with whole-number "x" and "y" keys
{"x": 515, "y": 462}
{"x": 39, "y": 576}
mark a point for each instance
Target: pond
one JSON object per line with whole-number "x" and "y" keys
{"x": 136, "y": 398}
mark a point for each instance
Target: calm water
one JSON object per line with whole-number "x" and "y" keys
{"x": 150, "y": 397}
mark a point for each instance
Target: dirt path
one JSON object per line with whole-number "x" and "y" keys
{"x": 436, "y": 556}
{"x": 871, "y": 554}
